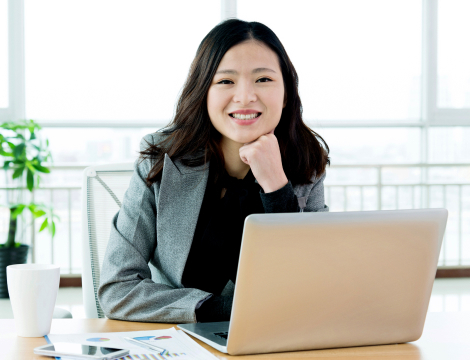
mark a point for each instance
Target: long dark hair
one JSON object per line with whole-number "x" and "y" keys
{"x": 192, "y": 138}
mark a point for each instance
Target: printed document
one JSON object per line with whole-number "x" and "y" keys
{"x": 175, "y": 342}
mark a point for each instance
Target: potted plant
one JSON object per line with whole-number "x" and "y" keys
{"x": 23, "y": 155}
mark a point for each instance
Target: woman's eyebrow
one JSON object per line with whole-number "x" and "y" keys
{"x": 258, "y": 70}
{"x": 234, "y": 72}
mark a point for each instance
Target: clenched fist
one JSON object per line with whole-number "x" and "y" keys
{"x": 264, "y": 158}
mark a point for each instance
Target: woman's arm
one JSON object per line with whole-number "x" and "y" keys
{"x": 127, "y": 291}
{"x": 285, "y": 199}
{"x": 315, "y": 198}
{"x": 264, "y": 157}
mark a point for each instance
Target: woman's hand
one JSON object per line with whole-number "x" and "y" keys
{"x": 264, "y": 157}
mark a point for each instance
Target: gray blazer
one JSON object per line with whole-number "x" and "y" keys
{"x": 151, "y": 236}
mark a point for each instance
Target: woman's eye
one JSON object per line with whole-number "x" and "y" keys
{"x": 225, "y": 82}
{"x": 263, "y": 80}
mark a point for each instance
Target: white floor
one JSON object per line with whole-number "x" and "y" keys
{"x": 451, "y": 295}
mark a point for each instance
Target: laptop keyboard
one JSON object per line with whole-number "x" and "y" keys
{"x": 223, "y": 335}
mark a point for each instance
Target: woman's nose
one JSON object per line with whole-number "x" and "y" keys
{"x": 245, "y": 93}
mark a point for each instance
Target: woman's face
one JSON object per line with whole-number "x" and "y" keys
{"x": 246, "y": 97}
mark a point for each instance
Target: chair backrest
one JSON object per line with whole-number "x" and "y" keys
{"x": 102, "y": 194}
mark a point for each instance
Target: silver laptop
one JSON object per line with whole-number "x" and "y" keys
{"x": 326, "y": 280}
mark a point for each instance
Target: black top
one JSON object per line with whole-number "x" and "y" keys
{"x": 213, "y": 258}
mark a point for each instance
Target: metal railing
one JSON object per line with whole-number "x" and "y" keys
{"x": 423, "y": 189}
{"x": 45, "y": 248}
{"x": 372, "y": 187}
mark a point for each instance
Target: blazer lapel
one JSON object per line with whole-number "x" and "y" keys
{"x": 180, "y": 197}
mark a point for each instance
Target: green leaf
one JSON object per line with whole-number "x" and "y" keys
{"x": 6, "y": 154}
{"x": 29, "y": 180}
{"x": 38, "y": 213}
{"x": 18, "y": 210}
{"x": 18, "y": 172}
{"x": 53, "y": 229}
{"x": 43, "y": 225}
{"x": 6, "y": 164}
{"x": 41, "y": 168}
{"x": 19, "y": 150}
{"x": 30, "y": 166}
{"x": 33, "y": 126}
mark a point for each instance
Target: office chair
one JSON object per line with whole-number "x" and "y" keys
{"x": 102, "y": 193}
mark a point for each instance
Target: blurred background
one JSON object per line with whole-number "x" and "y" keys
{"x": 385, "y": 83}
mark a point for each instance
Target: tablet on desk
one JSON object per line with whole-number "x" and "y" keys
{"x": 80, "y": 351}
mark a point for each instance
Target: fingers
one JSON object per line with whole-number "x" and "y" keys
{"x": 269, "y": 133}
{"x": 245, "y": 153}
{"x": 244, "y": 159}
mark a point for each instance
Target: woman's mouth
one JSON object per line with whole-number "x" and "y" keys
{"x": 247, "y": 119}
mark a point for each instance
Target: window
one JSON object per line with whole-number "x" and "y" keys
{"x": 110, "y": 61}
{"x": 453, "y": 54}
{"x": 3, "y": 54}
{"x": 385, "y": 83}
{"x": 353, "y": 61}
{"x": 372, "y": 145}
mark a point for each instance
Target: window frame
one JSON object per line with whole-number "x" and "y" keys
{"x": 431, "y": 113}
{"x": 16, "y": 70}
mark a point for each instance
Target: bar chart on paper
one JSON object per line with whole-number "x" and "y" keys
{"x": 163, "y": 356}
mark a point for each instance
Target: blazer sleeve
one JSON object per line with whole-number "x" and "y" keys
{"x": 316, "y": 197}
{"x": 127, "y": 291}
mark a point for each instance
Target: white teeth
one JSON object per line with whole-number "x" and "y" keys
{"x": 245, "y": 117}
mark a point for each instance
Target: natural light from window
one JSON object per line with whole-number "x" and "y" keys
{"x": 111, "y": 60}
{"x": 356, "y": 60}
{"x": 453, "y": 54}
{"x": 101, "y": 74}
{"x": 3, "y": 54}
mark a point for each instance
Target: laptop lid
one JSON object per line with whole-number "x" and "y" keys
{"x": 324, "y": 280}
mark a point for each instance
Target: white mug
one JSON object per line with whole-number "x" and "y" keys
{"x": 33, "y": 292}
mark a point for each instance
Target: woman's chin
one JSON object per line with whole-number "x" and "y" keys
{"x": 245, "y": 136}
{"x": 245, "y": 139}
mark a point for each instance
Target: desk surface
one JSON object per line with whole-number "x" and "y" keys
{"x": 445, "y": 336}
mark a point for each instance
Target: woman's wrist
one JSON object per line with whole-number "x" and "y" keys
{"x": 275, "y": 184}
{"x": 282, "y": 200}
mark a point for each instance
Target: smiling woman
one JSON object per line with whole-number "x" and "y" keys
{"x": 240, "y": 66}
{"x": 249, "y": 76}
{"x": 245, "y": 102}
{"x": 237, "y": 145}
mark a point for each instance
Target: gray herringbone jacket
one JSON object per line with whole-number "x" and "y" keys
{"x": 150, "y": 240}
